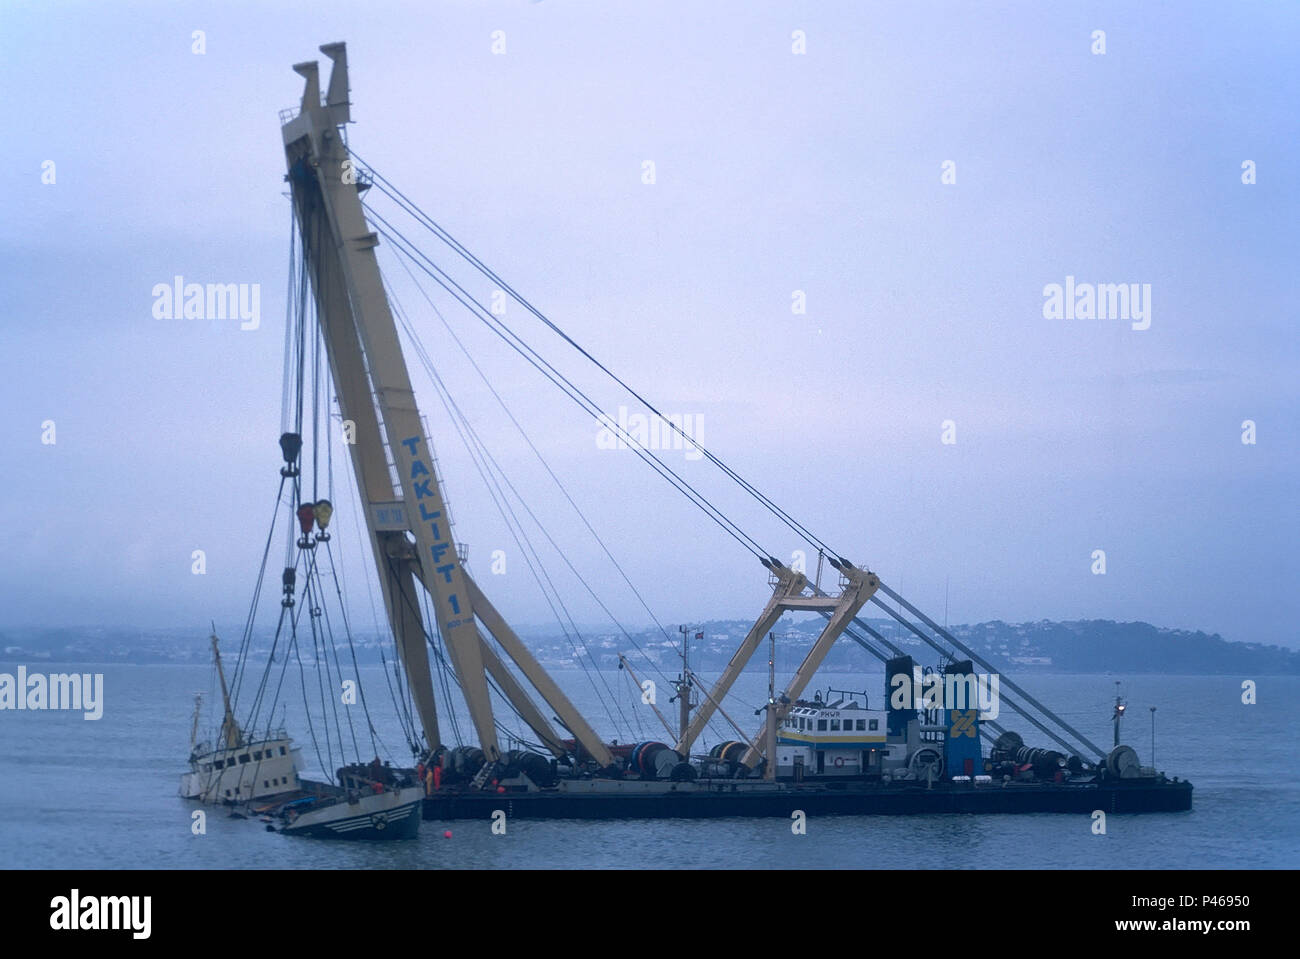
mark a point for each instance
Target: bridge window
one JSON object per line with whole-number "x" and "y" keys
{"x": 862, "y": 725}
{"x": 821, "y": 725}
{"x": 875, "y": 724}
{"x": 835, "y": 724}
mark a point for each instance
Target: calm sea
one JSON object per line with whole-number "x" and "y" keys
{"x": 102, "y": 795}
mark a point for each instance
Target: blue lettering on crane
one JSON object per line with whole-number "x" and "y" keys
{"x": 423, "y": 491}
{"x": 431, "y": 516}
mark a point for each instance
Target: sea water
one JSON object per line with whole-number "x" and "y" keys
{"x": 102, "y": 794}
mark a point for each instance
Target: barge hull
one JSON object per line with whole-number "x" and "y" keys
{"x": 758, "y": 802}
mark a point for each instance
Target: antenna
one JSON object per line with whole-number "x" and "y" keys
{"x": 198, "y": 707}
{"x": 684, "y": 685}
{"x": 771, "y": 668}
{"x": 1120, "y": 706}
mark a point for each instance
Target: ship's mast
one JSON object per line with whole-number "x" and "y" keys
{"x": 230, "y": 734}
{"x": 401, "y": 493}
{"x": 769, "y": 739}
{"x": 198, "y": 709}
{"x": 1120, "y": 706}
{"x": 684, "y": 686}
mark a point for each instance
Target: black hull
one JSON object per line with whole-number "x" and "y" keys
{"x": 858, "y": 800}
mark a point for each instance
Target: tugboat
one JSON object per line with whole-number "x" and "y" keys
{"x": 821, "y": 756}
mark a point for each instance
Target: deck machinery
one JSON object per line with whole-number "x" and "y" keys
{"x": 890, "y": 761}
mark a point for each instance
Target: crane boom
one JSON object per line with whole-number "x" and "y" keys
{"x": 403, "y": 502}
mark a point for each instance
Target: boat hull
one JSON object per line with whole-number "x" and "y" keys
{"x": 741, "y": 799}
{"x": 387, "y": 816}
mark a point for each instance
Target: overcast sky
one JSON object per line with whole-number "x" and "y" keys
{"x": 775, "y": 172}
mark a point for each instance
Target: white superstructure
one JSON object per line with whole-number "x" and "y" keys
{"x": 241, "y": 773}
{"x": 236, "y": 769}
{"x": 833, "y": 738}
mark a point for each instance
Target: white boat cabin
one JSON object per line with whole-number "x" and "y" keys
{"x": 250, "y": 771}
{"x": 837, "y": 736}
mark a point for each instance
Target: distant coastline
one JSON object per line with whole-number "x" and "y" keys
{"x": 1086, "y": 646}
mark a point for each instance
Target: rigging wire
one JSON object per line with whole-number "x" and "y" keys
{"x": 573, "y": 392}
{"x": 391, "y": 191}
{"x": 296, "y": 359}
{"x": 446, "y": 664}
{"x": 459, "y": 420}
{"x": 481, "y": 458}
{"x": 246, "y": 641}
{"x": 400, "y": 243}
{"x": 537, "y": 453}
{"x": 352, "y": 650}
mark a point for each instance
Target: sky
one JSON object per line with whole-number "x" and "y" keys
{"x": 915, "y": 175}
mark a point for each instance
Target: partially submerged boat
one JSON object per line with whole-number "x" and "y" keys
{"x": 259, "y": 777}
{"x": 237, "y": 769}
{"x": 371, "y": 803}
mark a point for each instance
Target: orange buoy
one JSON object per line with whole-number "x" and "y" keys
{"x": 447, "y": 834}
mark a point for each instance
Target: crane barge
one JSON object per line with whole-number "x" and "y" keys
{"x": 835, "y": 752}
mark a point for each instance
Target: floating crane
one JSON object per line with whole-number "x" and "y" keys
{"x": 412, "y": 545}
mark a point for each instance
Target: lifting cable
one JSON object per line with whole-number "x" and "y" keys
{"x": 410, "y": 207}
